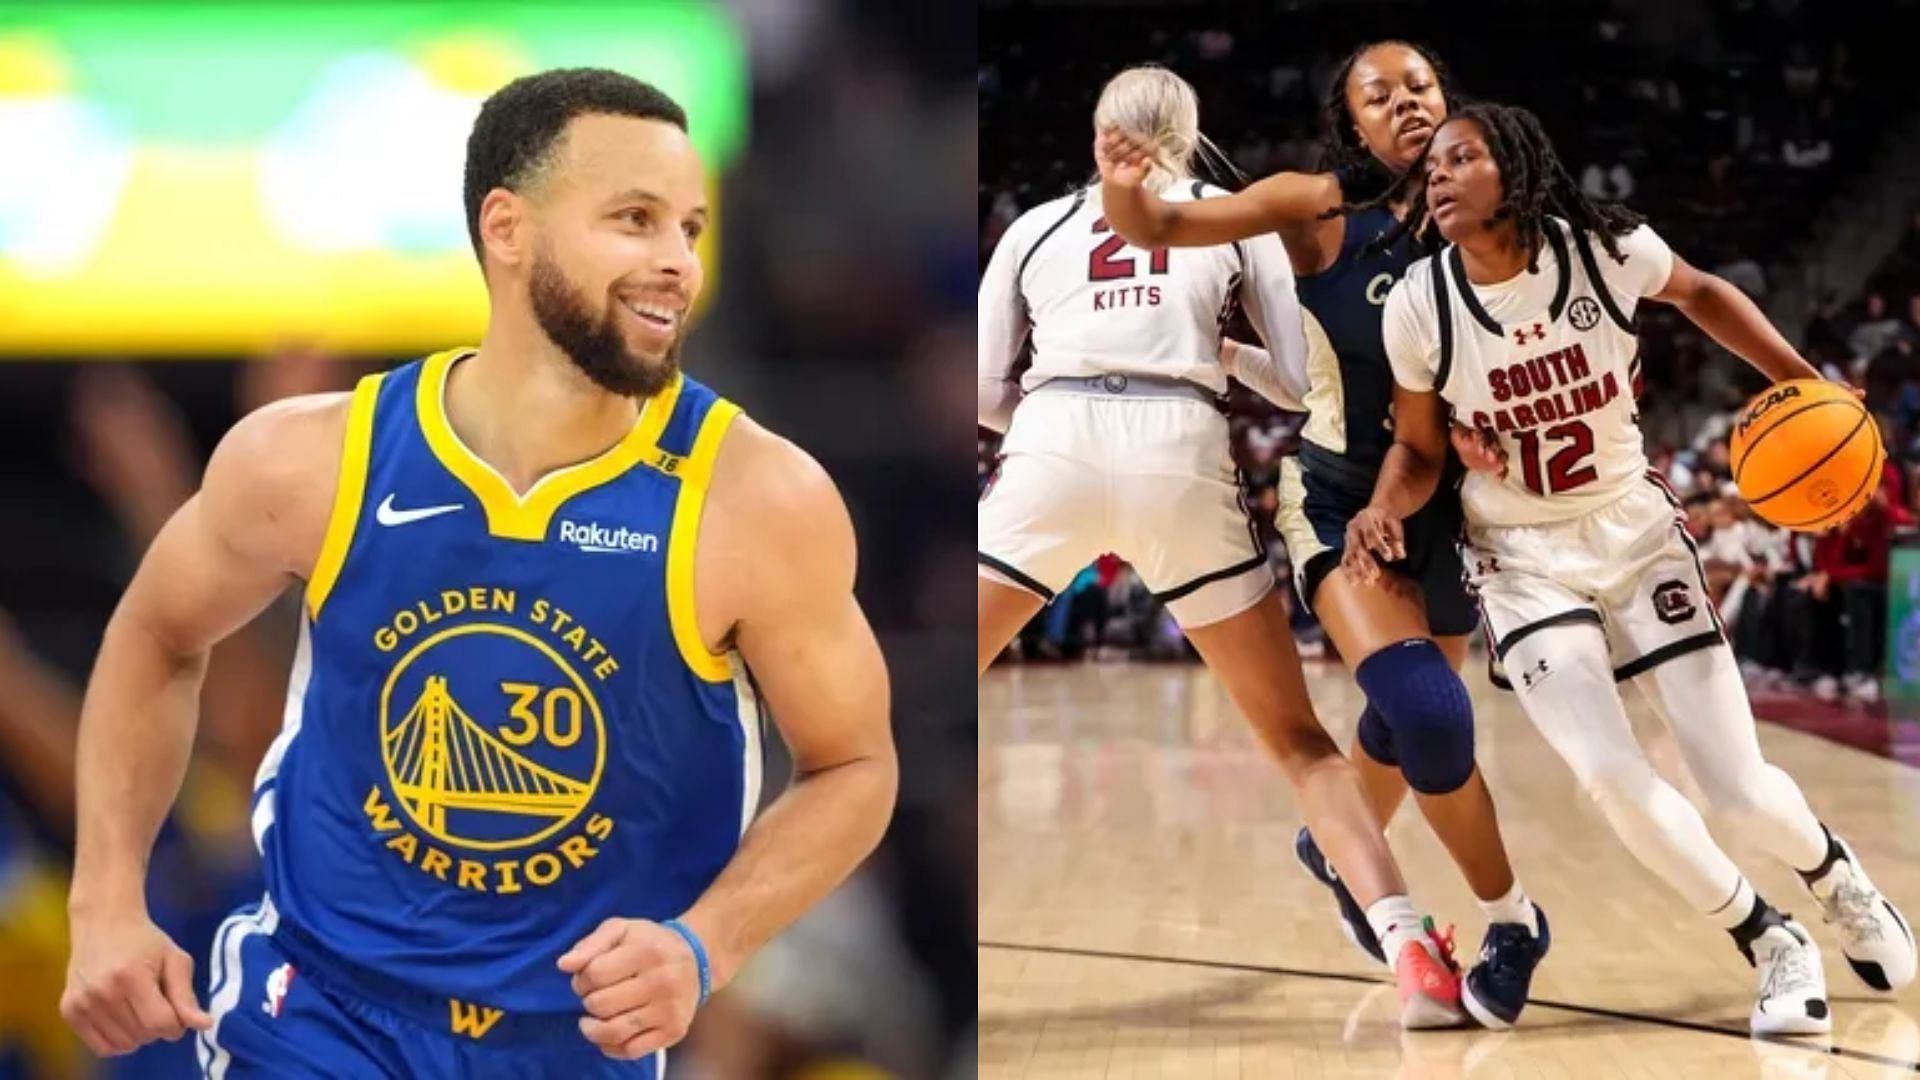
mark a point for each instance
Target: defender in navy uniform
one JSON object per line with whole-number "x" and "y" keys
{"x": 1405, "y": 636}
{"x": 509, "y": 824}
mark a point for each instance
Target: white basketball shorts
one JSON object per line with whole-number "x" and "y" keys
{"x": 1628, "y": 567}
{"x": 1148, "y": 479}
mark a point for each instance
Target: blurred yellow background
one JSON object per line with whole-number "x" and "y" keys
{"x": 207, "y": 179}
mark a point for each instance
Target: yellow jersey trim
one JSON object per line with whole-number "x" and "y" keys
{"x": 511, "y": 515}
{"x": 695, "y": 472}
{"x": 348, "y": 493}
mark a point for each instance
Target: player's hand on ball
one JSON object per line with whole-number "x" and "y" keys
{"x": 640, "y": 985}
{"x": 1374, "y": 537}
{"x": 1122, "y": 158}
{"x": 1479, "y": 450}
{"x": 127, "y": 985}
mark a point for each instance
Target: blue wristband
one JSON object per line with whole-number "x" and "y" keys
{"x": 699, "y": 955}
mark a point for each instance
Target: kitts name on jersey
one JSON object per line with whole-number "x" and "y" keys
{"x": 1135, "y": 297}
{"x": 493, "y": 739}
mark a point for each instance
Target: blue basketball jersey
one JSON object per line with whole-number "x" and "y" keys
{"x": 502, "y": 726}
{"x": 1351, "y": 383}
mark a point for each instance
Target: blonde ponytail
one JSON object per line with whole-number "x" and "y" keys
{"x": 1155, "y": 105}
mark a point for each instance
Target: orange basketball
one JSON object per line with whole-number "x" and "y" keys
{"x": 1806, "y": 454}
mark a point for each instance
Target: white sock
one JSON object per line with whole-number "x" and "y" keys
{"x": 1512, "y": 908}
{"x": 1395, "y": 922}
{"x": 1736, "y": 910}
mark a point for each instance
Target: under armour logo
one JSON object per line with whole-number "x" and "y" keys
{"x": 1538, "y": 672}
{"x": 1539, "y": 333}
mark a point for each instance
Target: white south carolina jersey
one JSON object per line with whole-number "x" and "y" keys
{"x": 1097, "y": 306}
{"x": 1549, "y": 361}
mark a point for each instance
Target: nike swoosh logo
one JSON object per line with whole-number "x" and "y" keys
{"x": 385, "y": 513}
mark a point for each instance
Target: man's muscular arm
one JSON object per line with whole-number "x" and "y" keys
{"x": 815, "y": 658}
{"x": 777, "y": 555}
{"x": 255, "y": 525}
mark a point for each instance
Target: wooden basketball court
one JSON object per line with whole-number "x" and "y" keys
{"x": 1142, "y": 914}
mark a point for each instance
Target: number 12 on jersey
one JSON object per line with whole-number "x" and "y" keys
{"x": 1564, "y": 470}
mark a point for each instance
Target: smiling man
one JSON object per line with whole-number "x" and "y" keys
{"x": 509, "y": 824}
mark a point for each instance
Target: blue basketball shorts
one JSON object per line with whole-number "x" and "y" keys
{"x": 1312, "y": 519}
{"x": 273, "y": 1017}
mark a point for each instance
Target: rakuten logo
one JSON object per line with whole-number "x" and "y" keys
{"x": 592, "y": 537}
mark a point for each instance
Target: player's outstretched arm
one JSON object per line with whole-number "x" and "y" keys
{"x": 778, "y": 558}
{"x": 1145, "y": 220}
{"x": 217, "y": 563}
{"x": 1717, "y": 306}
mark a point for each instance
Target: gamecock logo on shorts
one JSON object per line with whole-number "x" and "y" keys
{"x": 1673, "y": 602}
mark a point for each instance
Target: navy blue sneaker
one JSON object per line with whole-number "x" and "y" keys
{"x": 1353, "y": 921}
{"x": 1495, "y": 990}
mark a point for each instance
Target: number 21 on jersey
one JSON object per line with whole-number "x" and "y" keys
{"x": 1105, "y": 264}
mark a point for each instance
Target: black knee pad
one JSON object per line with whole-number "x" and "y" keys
{"x": 1376, "y": 737}
{"x": 1427, "y": 712}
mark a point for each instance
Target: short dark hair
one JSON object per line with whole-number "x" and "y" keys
{"x": 514, "y": 135}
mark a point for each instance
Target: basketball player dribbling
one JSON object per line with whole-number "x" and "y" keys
{"x": 1523, "y": 328}
{"x": 1120, "y": 444}
{"x": 1406, "y": 639}
{"x": 509, "y": 825}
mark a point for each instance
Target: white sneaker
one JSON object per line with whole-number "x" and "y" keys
{"x": 1865, "y": 690}
{"x": 1826, "y": 688}
{"x": 1792, "y": 999}
{"x": 1874, "y": 936}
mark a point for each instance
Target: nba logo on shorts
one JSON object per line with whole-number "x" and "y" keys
{"x": 278, "y": 982}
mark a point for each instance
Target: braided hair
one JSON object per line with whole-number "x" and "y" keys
{"x": 1534, "y": 184}
{"x": 1341, "y": 149}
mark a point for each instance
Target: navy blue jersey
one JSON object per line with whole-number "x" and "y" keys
{"x": 1347, "y": 432}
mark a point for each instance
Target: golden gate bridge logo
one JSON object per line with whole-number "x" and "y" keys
{"x": 469, "y": 769}
{"x": 440, "y": 759}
